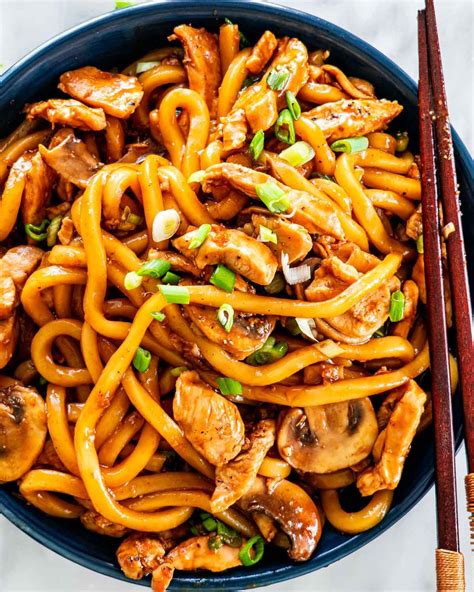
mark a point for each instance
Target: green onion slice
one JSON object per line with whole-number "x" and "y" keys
{"x": 145, "y": 66}
{"x": 277, "y": 284}
{"x": 175, "y": 294}
{"x": 401, "y": 141}
{"x": 134, "y": 219}
{"x": 298, "y": 154}
{"x": 293, "y": 105}
{"x": 210, "y": 524}
{"x": 225, "y": 316}
{"x": 350, "y": 145}
{"x": 178, "y": 370}
{"x": 265, "y": 235}
{"x": 199, "y": 236}
{"x": 37, "y": 233}
{"x": 141, "y": 359}
{"x": 268, "y": 353}
{"x": 228, "y": 535}
{"x": 249, "y": 81}
{"x": 285, "y": 127}
{"x": 419, "y": 244}
{"x": 273, "y": 197}
{"x": 123, "y": 4}
{"x": 256, "y": 543}
{"x": 52, "y": 231}
{"x": 154, "y": 268}
{"x": 215, "y": 543}
{"x": 229, "y": 386}
{"x": 171, "y": 278}
{"x": 397, "y": 306}
{"x": 132, "y": 280}
{"x": 277, "y": 79}
{"x": 223, "y": 278}
{"x": 257, "y": 144}
{"x": 158, "y": 316}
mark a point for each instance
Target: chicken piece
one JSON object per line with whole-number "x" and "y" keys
{"x": 97, "y": 523}
{"x": 314, "y": 214}
{"x": 66, "y": 231}
{"x": 411, "y": 293}
{"x": 39, "y": 184}
{"x": 233, "y": 248}
{"x": 68, "y": 112}
{"x": 138, "y": 555}
{"x": 259, "y": 102}
{"x": 394, "y": 442}
{"x": 248, "y": 333}
{"x": 358, "y": 324}
{"x": 195, "y": 554}
{"x": 202, "y": 63}
{"x": 414, "y": 225}
{"x": 20, "y": 262}
{"x": 234, "y": 479}
{"x": 234, "y": 133}
{"x": 293, "y": 239}
{"x": 210, "y": 422}
{"x": 8, "y": 295}
{"x": 353, "y": 117}
{"x": 261, "y": 52}
{"x": 8, "y": 338}
{"x": 71, "y": 160}
{"x": 118, "y": 95}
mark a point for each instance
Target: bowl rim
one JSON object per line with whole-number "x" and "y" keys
{"x": 42, "y": 534}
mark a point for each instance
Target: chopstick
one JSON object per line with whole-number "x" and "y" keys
{"x": 432, "y": 99}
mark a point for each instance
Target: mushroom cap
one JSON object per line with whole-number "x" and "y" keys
{"x": 22, "y": 430}
{"x": 292, "y": 508}
{"x": 327, "y": 438}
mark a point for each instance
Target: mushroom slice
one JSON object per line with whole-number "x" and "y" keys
{"x": 292, "y": 508}
{"x": 22, "y": 430}
{"x": 327, "y": 438}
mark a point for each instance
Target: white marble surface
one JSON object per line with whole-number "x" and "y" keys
{"x": 402, "y": 559}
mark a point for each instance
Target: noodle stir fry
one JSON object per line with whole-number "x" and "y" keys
{"x": 211, "y": 302}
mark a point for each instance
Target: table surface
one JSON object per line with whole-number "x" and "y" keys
{"x": 401, "y": 559}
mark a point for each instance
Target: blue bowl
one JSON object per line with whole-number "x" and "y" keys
{"x": 117, "y": 39}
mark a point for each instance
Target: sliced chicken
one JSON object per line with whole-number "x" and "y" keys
{"x": 259, "y": 102}
{"x": 393, "y": 444}
{"x": 68, "y": 112}
{"x": 71, "y": 160}
{"x": 97, "y": 523}
{"x": 235, "y": 478}
{"x": 293, "y": 239}
{"x": 202, "y": 63}
{"x": 262, "y": 51}
{"x": 316, "y": 215}
{"x": 20, "y": 262}
{"x": 40, "y": 179}
{"x": 139, "y": 554}
{"x": 194, "y": 554}
{"x": 234, "y": 133}
{"x": 210, "y": 422}
{"x": 353, "y": 117}
{"x": 414, "y": 225}
{"x": 118, "y": 95}
{"x": 360, "y": 322}
{"x": 8, "y": 338}
{"x": 233, "y": 248}
{"x": 8, "y": 294}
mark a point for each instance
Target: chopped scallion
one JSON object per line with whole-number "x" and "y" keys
{"x": 277, "y": 79}
{"x": 175, "y": 294}
{"x": 132, "y": 280}
{"x": 52, "y": 231}
{"x": 293, "y": 105}
{"x": 123, "y": 4}
{"x": 268, "y": 353}
{"x": 266, "y": 235}
{"x": 209, "y": 524}
{"x": 249, "y": 81}
{"x": 285, "y": 127}
{"x": 158, "y": 316}
{"x": 37, "y": 233}
{"x": 397, "y": 306}
{"x": 177, "y": 371}
{"x": 171, "y": 278}
{"x": 277, "y": 284}
{"x": 256, "y": 543}
{"x": 257, "y": 144}
{"x": 223, "y": 278}
{"x": 401, "y": 141}
{"x": 298, "y": 154}
{"x": 199, "y": 236}
{"x": 154, "y": 268}
{"x": 350, "y": 145}
{"x": 273, "y": 197}
{"x": 142, "y": 359}
{"x": 215, "y": 543}
{"x": 225, "y": 316}
{"x": 419, "y": 244}
{"x": 145, "y": 66}
{"x": 229, "y": 386}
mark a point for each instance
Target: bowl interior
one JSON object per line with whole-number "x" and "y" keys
{"x": 119, "y": 38}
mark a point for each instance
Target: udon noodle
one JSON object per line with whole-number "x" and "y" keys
{"x": 211, "y": 302}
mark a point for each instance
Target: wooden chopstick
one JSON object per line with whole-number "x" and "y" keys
{"x": 455, "y": 243}
{"x": 449, "y": 561}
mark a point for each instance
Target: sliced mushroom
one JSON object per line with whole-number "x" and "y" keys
{"x": 292, "y": 508}
{"x": 327, "y": 438}
{"x": 22, "y": 430}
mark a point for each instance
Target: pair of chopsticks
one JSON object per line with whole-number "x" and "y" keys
{"x": 438, "y": 178}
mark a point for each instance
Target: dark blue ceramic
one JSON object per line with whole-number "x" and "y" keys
{"x": 117, "y": 39}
